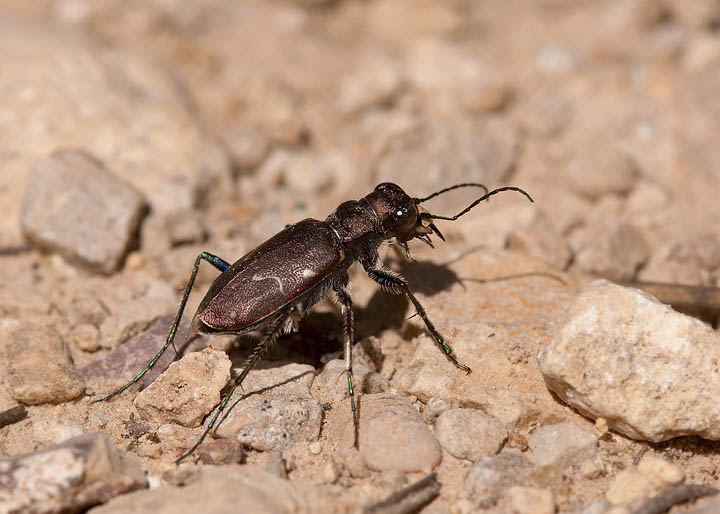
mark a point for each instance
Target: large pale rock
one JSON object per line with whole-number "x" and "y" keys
{"x": 75, "y": 207}
{"x": 648, "y": 370}
{"x": 220, "y": 490}
{"x": 187, "y": 391}
{"x": 70, "y": 477}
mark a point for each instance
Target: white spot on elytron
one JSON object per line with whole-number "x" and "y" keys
{"x": 258, "y": 277}
{"x": 308, "y": 273}
{"x": 233, "y": 314}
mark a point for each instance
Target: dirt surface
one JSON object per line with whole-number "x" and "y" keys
{"x": 228, "y": 120}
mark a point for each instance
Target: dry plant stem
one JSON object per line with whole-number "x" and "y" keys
{"x": 410, "y": 499}
{"x": 675, "y": 496}
{"x": 13, "y": 415}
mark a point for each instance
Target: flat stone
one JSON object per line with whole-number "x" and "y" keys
{"x": 75, "y": 207}
{"x": 648, "y": 370}
{"x": 274, "y": 409}
{"x": 126, "y": 360}
{"x": 555, "y": 447}
{"x": 469, "y": 433}
{"x": 187, "y": 391}
{"x": 490, "y": 476}
{"x": 394, "y": 437}
{"x": 219, "y": 490}
{"x": 39, "y": 367}
{"x": 70, "y": 477}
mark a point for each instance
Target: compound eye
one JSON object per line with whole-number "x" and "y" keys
{"x": 405, "y": 217}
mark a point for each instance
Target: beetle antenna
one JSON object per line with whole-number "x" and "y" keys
{"x": 456, "y": 186}
{"x": 482, "y": 198}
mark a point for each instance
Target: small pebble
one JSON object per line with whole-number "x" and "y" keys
{"x": 315, "y": 448}
{"x": 529, "y": 500}
{"x": 86, "y": 337}
{"x": 395, "y": 437}
{"x": 469, "y": 433}
{"x": 648, "y": 478}
{"x": 555, "y": 447}
{"x": 490, "y": 476}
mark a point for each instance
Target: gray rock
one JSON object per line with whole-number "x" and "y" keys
{"x": 469, "y": 433}
{"x": 39, "y": 367}
{"x": 187, "y": 391}
{"x": 219, "y": 490}
{"x": 394, "y": 437}
{"x": 123, "y": 362}
{"x": 490, "y": 476}
{"x": 555, "y": 447}
{"x": 648, "y": 370}
{"x": 75, "y": 207}
{"x": 274, "y": 409}
{"x": 72, "y": 476}
{"x": 135, "y": 315}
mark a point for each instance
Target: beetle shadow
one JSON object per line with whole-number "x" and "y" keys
{"x": 254, "y": 392}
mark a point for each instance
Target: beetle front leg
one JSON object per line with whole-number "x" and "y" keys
{"x": 204, "y": 256}
{"x": 395, "y": 283}
{"x": 349, "y": 329}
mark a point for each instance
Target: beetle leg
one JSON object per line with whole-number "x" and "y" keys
{"x": 204, "y": 256}
{"x": 274, "y": 331}
{"x": 395, "y": 283}
{"x": 349, "y": 325}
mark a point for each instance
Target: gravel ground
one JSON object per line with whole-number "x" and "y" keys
{"x": 136, "y": 135}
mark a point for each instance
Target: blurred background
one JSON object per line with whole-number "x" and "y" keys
{"x": 234, "y": 118}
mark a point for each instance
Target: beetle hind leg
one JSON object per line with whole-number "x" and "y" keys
{"x": 349, "y": 329}
{"x": 216, "y": 261}
{"x": 273, "y": 332}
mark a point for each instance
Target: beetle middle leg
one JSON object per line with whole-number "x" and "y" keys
{"x": 349, "y": 329}
{"x": 395, "y": 283}
{"x": 204, "y": 256}
{"x": 273, "y": 332}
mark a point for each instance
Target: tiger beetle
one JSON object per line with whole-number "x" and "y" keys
{"x": 272, "y": 287}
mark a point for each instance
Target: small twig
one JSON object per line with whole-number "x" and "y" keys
{"x": 675, "y": 496}
{"x": 13, "y": 415}
{"x": 410, "y": 499}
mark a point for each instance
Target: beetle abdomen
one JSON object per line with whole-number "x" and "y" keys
{"x": 275, "y": 274}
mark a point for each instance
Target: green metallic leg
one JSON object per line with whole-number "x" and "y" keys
{"x": 205, "y": 256}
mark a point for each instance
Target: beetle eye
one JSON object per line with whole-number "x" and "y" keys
{"x": 405, "y": 218}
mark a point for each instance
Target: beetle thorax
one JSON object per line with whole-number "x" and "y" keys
{"x": 354, "y": 222}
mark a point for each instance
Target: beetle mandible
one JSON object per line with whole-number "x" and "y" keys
{"x": 271, "y": 287}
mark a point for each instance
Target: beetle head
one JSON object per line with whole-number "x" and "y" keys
{"x": 404, "y": 218}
